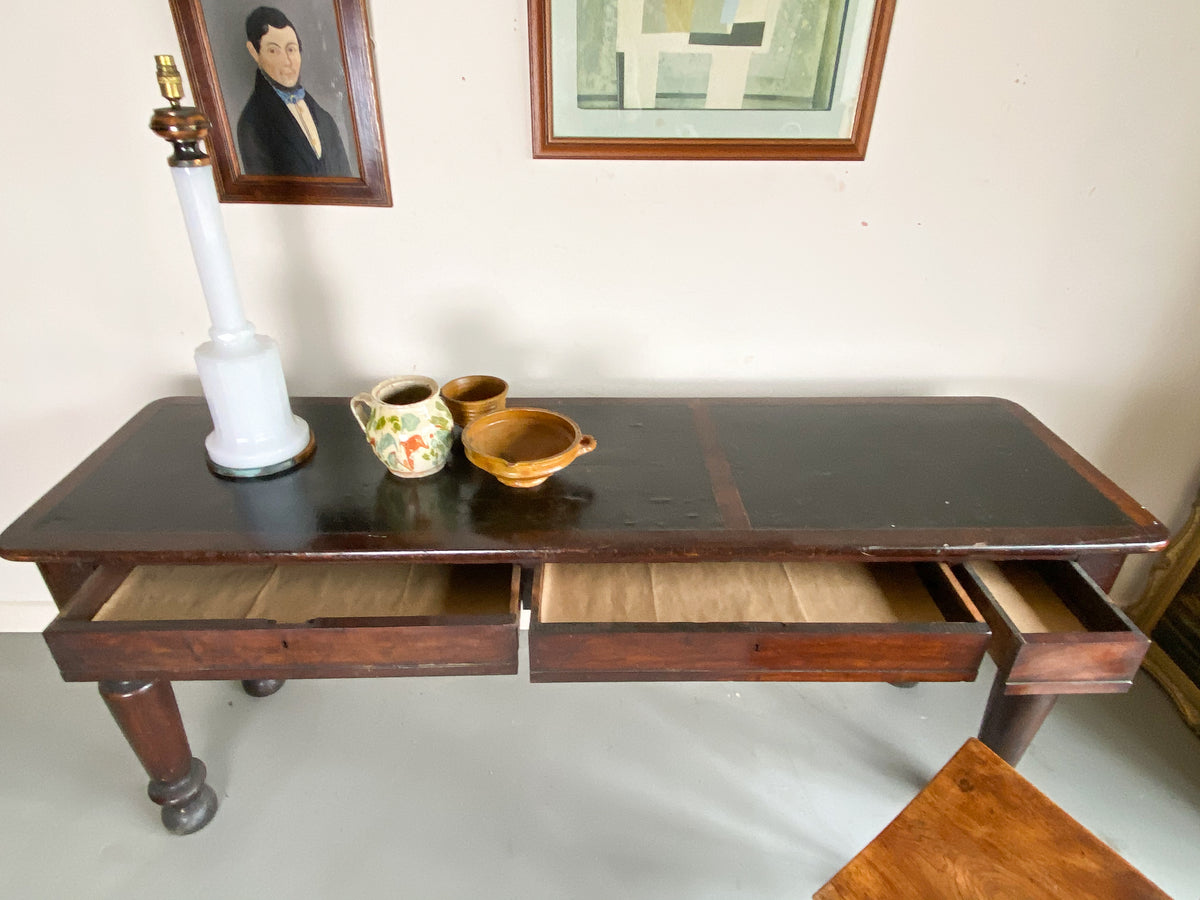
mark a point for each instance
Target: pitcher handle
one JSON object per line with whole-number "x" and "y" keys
{"x": 360, "y": 405}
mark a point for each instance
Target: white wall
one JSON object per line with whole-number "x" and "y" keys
{"x": 1026, "y": 225}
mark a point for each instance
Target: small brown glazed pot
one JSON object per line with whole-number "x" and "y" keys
{"x": 472, "y": 396}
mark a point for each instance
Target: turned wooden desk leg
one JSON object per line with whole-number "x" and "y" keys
{"x": 149, "y": 718}
{"x": 1011, "y": 720}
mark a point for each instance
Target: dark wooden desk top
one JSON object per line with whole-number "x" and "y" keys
{"x": 904, "y": 478}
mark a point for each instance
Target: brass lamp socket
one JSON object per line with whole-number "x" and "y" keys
{"x": 183, "y": 126}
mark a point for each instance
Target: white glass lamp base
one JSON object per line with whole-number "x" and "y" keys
{"x": 254, "y": 431}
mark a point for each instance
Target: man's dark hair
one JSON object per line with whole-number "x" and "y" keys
{"x": 265, "y": 17}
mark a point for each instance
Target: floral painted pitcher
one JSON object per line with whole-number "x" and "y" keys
{"x": 407, "y": 424}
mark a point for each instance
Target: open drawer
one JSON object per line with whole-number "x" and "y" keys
{"x": 1055, "y": 631}
{"x": 292, "y": 620}
{"x": 803, "y": 621}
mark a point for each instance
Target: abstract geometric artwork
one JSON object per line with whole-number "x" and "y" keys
{"x": 705, "y": 79}
{"x": 708, "y": 54}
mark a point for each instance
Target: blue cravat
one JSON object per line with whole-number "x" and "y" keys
{"x": 288, "y": 95}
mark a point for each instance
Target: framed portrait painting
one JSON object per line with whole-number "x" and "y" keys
{"x": 706, "y": 79}
{"x": 289, "y": 90}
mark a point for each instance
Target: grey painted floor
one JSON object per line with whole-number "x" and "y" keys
{"x": 496, "y": 788}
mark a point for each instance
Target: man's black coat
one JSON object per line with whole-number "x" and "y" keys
{"x": 271, "y": 141}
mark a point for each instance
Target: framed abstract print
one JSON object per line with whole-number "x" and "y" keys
{"x": 705, "y": 79}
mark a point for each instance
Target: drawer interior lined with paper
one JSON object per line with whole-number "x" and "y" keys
{"x": 790, "y": 592}
{"x": 1022, "y": 590}
{"x": 298, "y": 592}
{"x": 1054, "y": 629}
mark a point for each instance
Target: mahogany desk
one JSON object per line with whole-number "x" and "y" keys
{"x": 968, "y": 525}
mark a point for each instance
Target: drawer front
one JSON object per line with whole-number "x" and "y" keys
{"x": 1054, "y": 629}
{"x": 300, "y": 620}
{"x": 753, "y": 621}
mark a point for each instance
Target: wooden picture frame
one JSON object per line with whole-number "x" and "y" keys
{"x": 573, "y": 66}
{"x": 256, "y": 147}
{"x": 1167, "y": 613}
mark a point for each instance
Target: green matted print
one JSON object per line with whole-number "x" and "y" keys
{"x": 708, "y": 54}
{"x": 706, "y": 79}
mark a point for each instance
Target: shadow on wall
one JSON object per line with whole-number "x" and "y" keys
{"x": 308, "y": 300}
{"x": 491, "y": 344}
{"x": 475, "y": 337}
{"x": 473, "y": 334}
{"x": 183, "y": 386}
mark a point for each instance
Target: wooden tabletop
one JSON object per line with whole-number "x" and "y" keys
{"x": 980, "y": 831}
{"x": 891, "y": 478}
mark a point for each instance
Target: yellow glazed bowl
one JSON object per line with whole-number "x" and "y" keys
{"x": 523, "y": 447}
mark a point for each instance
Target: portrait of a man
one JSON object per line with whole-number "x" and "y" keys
{"x": 283, "y": 129}
{"x": 291, "y": 94}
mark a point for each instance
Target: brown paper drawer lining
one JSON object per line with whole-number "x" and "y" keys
{"x": 1025, "y": 596}
{"x": 299, "y": 592}
{"x": 736, "y": 592}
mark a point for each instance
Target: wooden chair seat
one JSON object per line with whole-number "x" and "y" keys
{"x": 979, "y": 831}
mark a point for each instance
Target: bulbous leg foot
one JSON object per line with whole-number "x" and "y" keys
{"x": 262, "y": 687}
{"x": 187, "y": 804}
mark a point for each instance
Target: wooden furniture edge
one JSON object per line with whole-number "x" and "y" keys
{"x": 1157, "y": 533}
{"x": 1169, "y": 572}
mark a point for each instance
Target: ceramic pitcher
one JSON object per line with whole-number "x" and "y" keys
{"x": 407, "y": 424}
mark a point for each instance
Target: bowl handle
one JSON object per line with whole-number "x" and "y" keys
{"x": 587, "y": 444}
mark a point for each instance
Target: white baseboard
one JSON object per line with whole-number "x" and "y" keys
{"x": 25, "y": 604}
{"x": 22, "y": 616}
